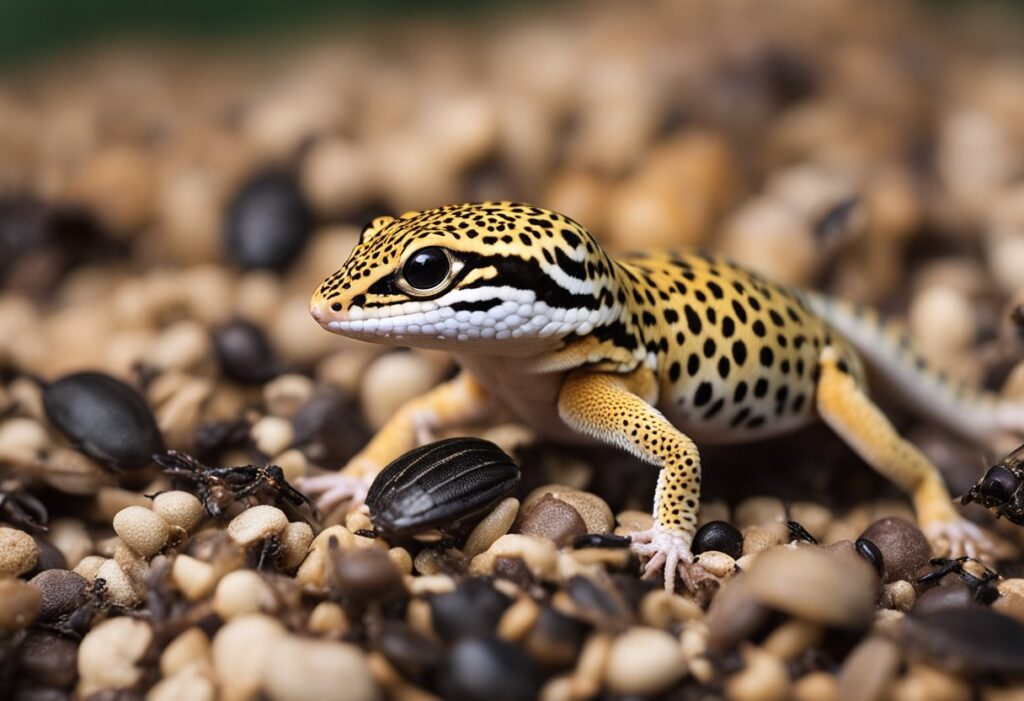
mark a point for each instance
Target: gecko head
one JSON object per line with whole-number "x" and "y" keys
{"x": 490, "y": 276}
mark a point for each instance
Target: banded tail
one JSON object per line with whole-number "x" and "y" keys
{"x": 887, "y": 349}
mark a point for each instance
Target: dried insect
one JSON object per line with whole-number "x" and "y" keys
{"x": 219, "y": 487}
{"x": 20, "y": 508}
{"x": 979, "y": 578}
{"x": 1001, "y": 490}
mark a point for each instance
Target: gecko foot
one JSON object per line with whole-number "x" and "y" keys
{"x": 669, "y": 552}
{"x": 330, "y": 490}
{"x": 958, "y": 537}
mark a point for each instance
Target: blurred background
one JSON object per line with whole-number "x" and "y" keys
{"x": 166, "y": 168}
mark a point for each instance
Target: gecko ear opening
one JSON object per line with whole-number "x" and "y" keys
{"x": 377, "y": 225}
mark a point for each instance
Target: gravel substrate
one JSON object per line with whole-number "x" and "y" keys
{"x": 166, "y": 214}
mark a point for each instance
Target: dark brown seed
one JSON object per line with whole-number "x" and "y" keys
{"x": 903, "y": 546}
{"x": 439, "y": 485}
{"x": 472, "y": 609}
{"x": 951, "y": 594}
{"x": 485, "y": 669}
{"x": 269, "y": 222}
{"x": 104, "y": 418}
{"x": 328, "y": 428}
{"x": 553, "y": 519}
{"x": 244, "y": 353}
{"x": 48, "y": 659}
{"x": 554, "y": 639}
{"x": 599, "y": 602}
{"x": 412, "y": 653}
{"x": 367, "y": 575}
{"x": 50, "y": 558}
{"x": 972, "y": 640}
{"x": 63, "y": 591}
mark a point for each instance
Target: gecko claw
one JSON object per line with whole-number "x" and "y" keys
{"x": 958, "y": 537}
{"x": 669, "y": 553}
{"x": 333, "y": 489}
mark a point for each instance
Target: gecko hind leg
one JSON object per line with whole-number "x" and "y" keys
{"x": 845, "y": 407}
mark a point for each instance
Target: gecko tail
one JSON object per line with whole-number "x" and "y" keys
{"x": 977, "y": 414}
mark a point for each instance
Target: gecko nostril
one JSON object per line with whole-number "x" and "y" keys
{"x": 336, "y": 307}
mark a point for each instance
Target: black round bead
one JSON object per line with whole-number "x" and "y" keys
{"x": 720, "y": 536}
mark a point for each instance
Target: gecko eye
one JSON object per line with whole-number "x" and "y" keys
{"x": 427, "y": 269}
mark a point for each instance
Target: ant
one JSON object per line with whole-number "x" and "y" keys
{"x": 219, "y": 487}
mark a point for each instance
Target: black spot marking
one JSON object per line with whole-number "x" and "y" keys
{"x": 767, "y": 357}
{"x": 692, "y": 364}
{"x": 740, "y": 393}
{"x": 709, "y": 348}
{"x": 703, "y": 394}
{"x": 692, "y": 320}
{"x": 739, "y": 352}
{"x": 723, "y": 367}
{"x": 761, "y": 388}
{"x": 673, "y": 372}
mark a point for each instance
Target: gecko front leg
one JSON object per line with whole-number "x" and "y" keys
{"x": 617, "y": 409}
{"x": 460, "y": 400}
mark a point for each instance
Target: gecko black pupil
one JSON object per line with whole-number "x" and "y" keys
{"x": 427, "y": 268}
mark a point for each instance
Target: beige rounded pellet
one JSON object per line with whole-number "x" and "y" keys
{"x": 243, "y": 649}
{"x": 189, "y": 647}
{"x": 644, "y": 661}
{"x": 492, "y": 527}
{"x": 241, "y": 592}
{"x": 70, "y": 537}
{"x": 21, "y": 440}
{"x": 18, "y": 552}
{"x": 286, "y": 394}
{"x": 109, "y": 655}
{"x": 539, "y": 555}
{"x": 314, "y": 670}
{"x": 193, "y": 577}
{"x": 328, "y": 619}
{"x": 179, "y": 509}
{"x": 764, "y": 678}
{"x": 256, "y": 523}
{"x": 190, "y": 683}
{"x": 89, "y": 565}
{"x": 294, "y": 539}
{"x": 272, "y": 435}
{"x": 121, "y": 589}
{"x": 141, "y": 530}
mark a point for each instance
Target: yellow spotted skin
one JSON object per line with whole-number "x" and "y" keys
{"x": 654, "y": 353}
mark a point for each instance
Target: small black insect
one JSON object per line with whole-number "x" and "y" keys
{"x": 800, "y": 533}
{"x": 19, "y": 508}
{"x": 1001, "y": 490}
{"x": 979, "y": 578}
{"x": 219, "y": 487}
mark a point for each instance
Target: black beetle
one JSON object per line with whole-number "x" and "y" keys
{"x": 439, "y": 484}
{"x": 269, "y": 222}
{"x": 1002, "y": 488}
{"x": 104, "y": 418}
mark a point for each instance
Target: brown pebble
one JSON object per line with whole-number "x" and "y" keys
{"x": 903, "y": 546}
{"x": 553, "y": 519}
{"x": 20, "y": 603}
{"x": 48, "y": 659}
{"x": 18, "y": 552}
{"x": 368, "y": 575}
{"x": 62, "y": 592}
